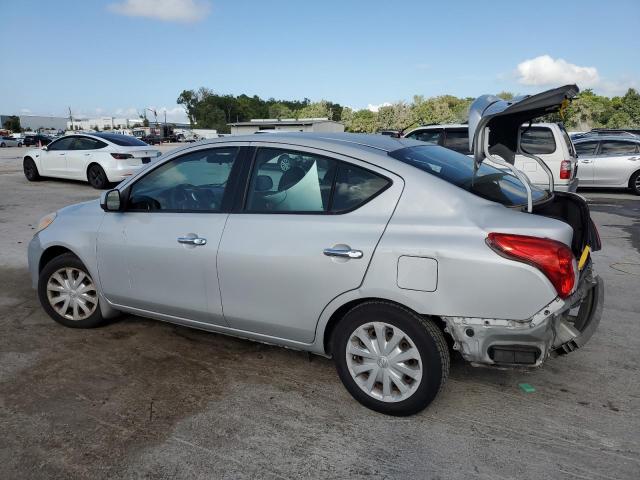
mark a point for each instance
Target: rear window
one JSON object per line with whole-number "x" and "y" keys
{"x": 122, "y": 140}
{"x": 458, "y": 140}
{"x": 488, "y": 181}
{"x": 537, "y": 141}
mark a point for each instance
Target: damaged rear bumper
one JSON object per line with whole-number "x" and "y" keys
{"x": 559, "y": 328}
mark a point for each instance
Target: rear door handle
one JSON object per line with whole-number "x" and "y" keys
{"x": 586, "y": 161}
{"x": 635, "y": 159}
{"x": 192, "y": 240}
{"x": 342, "y": 252}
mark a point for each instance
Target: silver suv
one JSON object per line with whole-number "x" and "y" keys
{"x": 548, "y": 141}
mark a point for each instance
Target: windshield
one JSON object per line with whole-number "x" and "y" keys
{"x": 495, "y": 184}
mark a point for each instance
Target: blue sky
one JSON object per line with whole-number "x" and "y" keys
{"x": 119, "y": 56}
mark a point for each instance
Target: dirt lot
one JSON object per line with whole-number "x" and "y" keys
{"x": 144, "y": 399}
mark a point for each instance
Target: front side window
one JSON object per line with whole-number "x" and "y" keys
{"x": 616, "y": 147}
{"x": 537, "y": 140}
{"x": 429, "y": 136}
{"x": 458, "y": 140}
{"x": 62, "y": 144}
{"x": 195, "y": 182}
{"x": 586, "y": 148}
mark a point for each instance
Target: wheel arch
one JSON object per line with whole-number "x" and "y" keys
{"x": 633, "y": 174}
{"x": 91, "y": 164}
{"x": 342, "y": 310}
{"x": 52, "y": 252}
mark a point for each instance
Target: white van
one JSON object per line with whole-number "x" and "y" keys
{"x": 548, "y": 141}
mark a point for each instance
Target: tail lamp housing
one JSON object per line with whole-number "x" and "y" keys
{"x": 121, "y": 156}
{"x": 551, "y": 257}
{"x": 565, "y": 169}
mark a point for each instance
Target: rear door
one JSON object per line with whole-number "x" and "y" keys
{"x": 586, "y": 157}
{"x": 613, "y": 165}
{"x": 300, "y": 238}
{"x": 81, "y": 154}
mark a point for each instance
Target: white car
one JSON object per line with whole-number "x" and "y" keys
{"x": 99, "y": 158}
{"x": 10, "y": 142}
{"x": 548, "y": 141}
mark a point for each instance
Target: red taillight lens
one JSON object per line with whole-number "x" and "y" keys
{"x": 551, "y": 257}
{"x": 565, "y": 170}
{"x": 121, "y": 156}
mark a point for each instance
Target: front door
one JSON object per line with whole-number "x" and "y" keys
{"x": 307, "y": 233}
{"x": 53, "y": 160}
{"x": 159, "y": 255}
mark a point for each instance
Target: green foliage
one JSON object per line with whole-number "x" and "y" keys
{"x": 13, "y": 123}
{"x": 208, "y": 109}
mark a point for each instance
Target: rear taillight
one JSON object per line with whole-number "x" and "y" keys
{"x": 565, "y": 170}
{"x": 121, "y": 156}
{"x": 551, "y": 257}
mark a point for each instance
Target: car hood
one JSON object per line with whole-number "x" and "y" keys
{"x": 503, "y": 118}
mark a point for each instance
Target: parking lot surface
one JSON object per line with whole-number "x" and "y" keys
{"x": 145, "y": 399}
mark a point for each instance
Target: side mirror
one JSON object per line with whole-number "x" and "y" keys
{"x": 45, "y": 148}
{"x": 110, "y": 200}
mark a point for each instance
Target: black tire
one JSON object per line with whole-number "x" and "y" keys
{"x": 30, "y": 170}
{"x": 425, "y": 335}
{"x": 634, "y": 183}
{"x": 2, "y": 145}
{"x": 97, "y": 178}
{"x": 67, "y": 260}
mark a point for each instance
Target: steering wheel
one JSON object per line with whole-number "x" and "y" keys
{"x": 185, "y": 197}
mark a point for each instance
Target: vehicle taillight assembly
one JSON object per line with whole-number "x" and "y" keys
{"x": 565, "y": 169}
{"x": 121, "y": 156}
{"x": 551, "y": 257}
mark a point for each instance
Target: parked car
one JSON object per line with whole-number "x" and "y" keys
{"x": 35, "y": 140}
{"x": 152, "y": 139}
{"x": 548, "y": 141}
{"x": 99, "y": 158}
{"x": 374, "y": 251}
{"x": 606, "y": 132}
{"x": 8, "y": 141}
{"x": 609, "y": 161}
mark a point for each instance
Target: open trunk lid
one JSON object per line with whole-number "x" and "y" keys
{"x": 495, "y": 123}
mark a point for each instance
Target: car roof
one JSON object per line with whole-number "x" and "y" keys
{"x": 598, "y": 138}
{"x": 336, "y": 142}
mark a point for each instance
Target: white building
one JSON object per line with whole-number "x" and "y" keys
{"x": 286, "y": 125}
{"x": 103, "y": 123}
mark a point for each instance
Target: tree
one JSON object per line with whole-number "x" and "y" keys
{"x": 319, "y": 109}
{"x": 505, "y": 95}
{"x": 13, "y": 123}
{"x": 189, "y": 100}
{"x": 280, "y": 110}
{"x": 364, "y": 121}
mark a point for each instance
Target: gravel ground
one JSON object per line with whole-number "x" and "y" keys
{"x": 145, "y": 399}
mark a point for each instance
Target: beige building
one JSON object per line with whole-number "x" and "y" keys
{"x": 286, "y": 125}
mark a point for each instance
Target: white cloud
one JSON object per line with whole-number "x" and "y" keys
{"x": 25, "y": 111}
{"x": 375, "y": 108}
{"x": 167, "y": 10}
{"x": 545, "y": 70}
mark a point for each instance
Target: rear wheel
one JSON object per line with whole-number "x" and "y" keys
{"x": 68, "y": 293}
{"x": 634, "y": 183}
{"x": 97, "y": 178}
{"x": 2, "y": 144}
{"x": 30, "y": 170}
{"x": 390, "y": 359}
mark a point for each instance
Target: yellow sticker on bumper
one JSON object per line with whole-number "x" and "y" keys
{"x": 584, "y": 257}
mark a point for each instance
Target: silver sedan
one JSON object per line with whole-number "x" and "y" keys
{"x": 609, "y": 161}
{"x": 382, "y": 253}
{"x": 10, "y": 142}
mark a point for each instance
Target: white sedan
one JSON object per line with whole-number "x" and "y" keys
{"x": 99, "y": 158}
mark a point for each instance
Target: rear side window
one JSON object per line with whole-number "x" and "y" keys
{"x": 488, "y": 182}
{"x": 288, "y": 181}
{"x": 537, "y": 141}
{"x": 429, "y": 136}
{"x": 586, "y": 148}
{"x": 355, "y": 186}
{"x": 86, "y": 143}
{"x": 457, "y": 140}
{"x": 616, "y": 147}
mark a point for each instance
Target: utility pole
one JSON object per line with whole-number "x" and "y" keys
{"x": 71, "y": 118}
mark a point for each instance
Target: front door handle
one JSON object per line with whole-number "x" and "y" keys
{"x": 635, "y": 159}
{"x": 586, "y": 161}
{"x": 192, "y": 240}
{"x": 342, "y": 252}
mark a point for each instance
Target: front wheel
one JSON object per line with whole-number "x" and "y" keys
{"x": 634, "y": 183}
{"x": 68, "y": 293}
{"x": 2, "y": 145}
{"x": 97, "y": 178}
{"x": 390, "y": 359}
{"x": 30, "y": 170}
